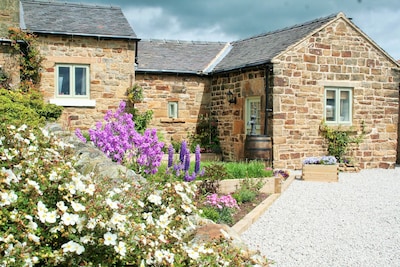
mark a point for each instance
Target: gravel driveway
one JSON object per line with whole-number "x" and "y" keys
{"x": 354, "y": 222}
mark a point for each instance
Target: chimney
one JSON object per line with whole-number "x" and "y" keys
{"x": 9, "y": 16}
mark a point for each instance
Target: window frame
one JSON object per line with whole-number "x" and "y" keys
{"x": 248, "y": 113}
{"x": 338, "y": 104}
{"x": 173, "y": 105}
{"x": 72, "y": 81}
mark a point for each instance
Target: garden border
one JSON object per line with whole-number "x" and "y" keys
{"x": 255, "y": 214}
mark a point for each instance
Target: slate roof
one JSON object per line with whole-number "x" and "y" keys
{"x": 74, "y": 19}
{"x": 178, "y": 56}
{"x": 263, "y": 48}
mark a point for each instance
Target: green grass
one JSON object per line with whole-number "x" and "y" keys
{"x": 235, "y": 170}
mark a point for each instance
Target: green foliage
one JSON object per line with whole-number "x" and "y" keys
{"x": 206, "y": 135}
{"x": 52, "y": 215}
{"x": 213, "y": 174}
{"x": 248, "y": 189}
{"x": 250, "y": 169}
{"x": 339, "y": 141}
{"x": 244, "y": 195}
{"x": 210, "y": 213}
{"x": 25, "y": 105}
{"x": 135, "y": 93}
{"x": 18, "y": 107}
{"x": 25, "y": 46}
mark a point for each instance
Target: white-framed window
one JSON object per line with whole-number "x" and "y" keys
{"x": 338, "y": 105}
{"x": 72, "y": 81}
{"x": 253, "y": 108}
{"x": 173, "y": 109}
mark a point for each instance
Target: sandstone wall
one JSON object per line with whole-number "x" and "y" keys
{"x": 111, "y": 73}
{"x": 231, "y": 117}
{"x": 336, "y": 56}
{"x": 192, "y": 93}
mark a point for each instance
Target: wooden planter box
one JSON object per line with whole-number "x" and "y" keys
{"x": 320, "y": 173}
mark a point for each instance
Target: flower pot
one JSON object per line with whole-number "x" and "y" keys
{"x": 320, "y": 173}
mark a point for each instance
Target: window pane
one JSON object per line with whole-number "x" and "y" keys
{"x": 63, "y": 80}
{"x": 330, "y": 105}
{"x": 344, "y": 106}
{"x": 80, "y": 81}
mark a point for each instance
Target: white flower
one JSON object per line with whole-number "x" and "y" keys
{"x": 140, "y": 203}
{"x": 22, "y": 128}
{"x": 155, "y": 199}
{"x": 53, "y": 176}
{"x": 163, "y": 221}
{"x": 86, "y": 239}
{"x": 35, "y": 185}
{"x": 121, "y": 248}
{"x": 61, "y": 206}
{"x": 110, "y": 239}
{"x": 178, "y": 188}
{"x": 169, "y": 257}
{"x": 11, "y": 177}
{"x": 77, "y": 206}
{"x": 7, "y": 198}
{"x": 91, "y": 223}
{"x": 117, "y": 218}
{"x": 193, "y": 254}
{"x": 112, "y": 204}
{"x": 69, "y": 219}
{"x": 149, "y": 218}
{"x": 42, "y": 211}
{"x": 170, "y": 211}
{"x": 51, "y": 216}
{"x": 159, "y": 255}
{"x": 90, "y": 189}
{"x": 33, "y": 238}
{"x": 186, "y": 208}
{"x": 161, "y": 237}
{"x": 72, "y": 246}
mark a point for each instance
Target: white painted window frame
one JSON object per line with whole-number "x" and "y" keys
{"x": 338, "y": 106}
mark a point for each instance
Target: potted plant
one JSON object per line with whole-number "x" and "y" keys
{"x": 322, "y": 169}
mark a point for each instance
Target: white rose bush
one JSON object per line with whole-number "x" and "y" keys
{"x": 52, "y": 215}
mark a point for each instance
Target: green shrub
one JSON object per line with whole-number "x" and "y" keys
{"x": 51, "y": 215}
{"x": 244, "y": 195}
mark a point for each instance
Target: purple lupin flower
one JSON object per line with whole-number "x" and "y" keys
{"x": 197, "y": 159}
{"x": 182, "y": 153}
{"x": 170, "y": 155}
{"x": 187, "y": 161}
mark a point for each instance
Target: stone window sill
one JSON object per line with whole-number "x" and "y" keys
{"x": 172, "y": 120}
{"x": 73, "y": 102}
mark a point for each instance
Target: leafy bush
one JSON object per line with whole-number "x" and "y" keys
{"x": 17, "y": 108}
{"x": 51, "y": 215}
{"x": 244, "y": 195}
{"x": 251, "y": 169}
{"x": 248, "y": 190}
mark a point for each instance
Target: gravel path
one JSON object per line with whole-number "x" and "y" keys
{"x": 355, "y": 222}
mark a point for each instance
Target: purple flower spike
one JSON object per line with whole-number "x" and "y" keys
{"x": 170, "y": 155}
{"x": 197, "y": 160}
{"x": 187, "y": 161}
{"x": 182, "y": 153}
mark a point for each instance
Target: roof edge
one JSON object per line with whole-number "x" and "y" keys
{"x": 86, "y": 35}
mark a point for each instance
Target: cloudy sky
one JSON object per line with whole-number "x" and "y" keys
{"x": 230, "y": 20}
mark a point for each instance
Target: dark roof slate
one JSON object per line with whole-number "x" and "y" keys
{"x": 177, "y": 56}
{"x": 263, "y": 48}
{"x": 75, "y": 19}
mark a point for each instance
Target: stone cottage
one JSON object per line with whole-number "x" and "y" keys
{"x": 290, "y": 80}
{"x": 89, "y": 53}
{"x": 278, "y": 86}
